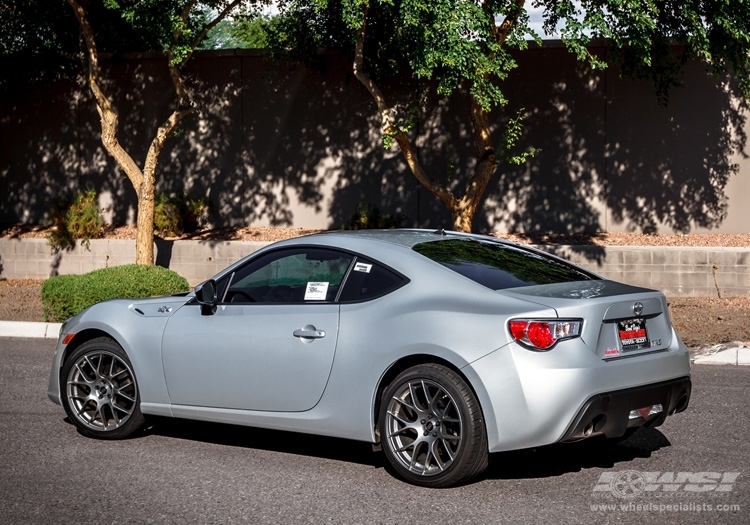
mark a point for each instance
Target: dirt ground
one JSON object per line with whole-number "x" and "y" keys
{"x": 700, "y": 322}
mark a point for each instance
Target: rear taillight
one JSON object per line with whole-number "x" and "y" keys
{"x": 539, "y": 334}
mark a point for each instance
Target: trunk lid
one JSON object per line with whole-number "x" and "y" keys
{"x": 619, "y": 320}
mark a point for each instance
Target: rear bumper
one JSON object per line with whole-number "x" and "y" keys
{"x": 608, "y": 414}
{"x": 532, "y": 399}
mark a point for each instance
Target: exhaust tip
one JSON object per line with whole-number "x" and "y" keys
{"x": 681, "y": 404}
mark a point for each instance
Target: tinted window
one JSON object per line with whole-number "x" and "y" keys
{"x": 368, "y": 280}
{"x": 290, "y": 276}
{"x": 498, "y": 266}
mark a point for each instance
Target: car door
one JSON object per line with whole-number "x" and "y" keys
{"x": 271, "y": 342}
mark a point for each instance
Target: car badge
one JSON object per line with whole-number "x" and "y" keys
{"x": 638, "y": 308}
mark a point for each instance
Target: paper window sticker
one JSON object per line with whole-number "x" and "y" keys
{"x": 316, "y": 291}
{"x": 362, "y": 267}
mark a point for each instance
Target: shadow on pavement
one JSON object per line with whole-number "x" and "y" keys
{"x": 270, "y": 440}
{"x": 562, "y": 458}
{"x": 548, "y": 461}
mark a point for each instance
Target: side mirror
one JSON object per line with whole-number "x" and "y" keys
{"x": 205, "y": 294}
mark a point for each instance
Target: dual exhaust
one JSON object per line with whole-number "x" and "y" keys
{"x": 612, "y": 414}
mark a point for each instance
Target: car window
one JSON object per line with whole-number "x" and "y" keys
{"x": 368, "y": 280}
{"x": 297, "y": 275}
{"x": 499, "y": 266}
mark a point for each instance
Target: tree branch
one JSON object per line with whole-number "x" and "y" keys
{"x": 211, "y": 25}
{"x": 184, "y": 16}
{"x": 162, "y": 134}
{"x": 107, "y": 113}
{"x": 387, "y": 124}
{"x": 508, "y": 23}
{"x": 487, "y": 159}
{"x": 175, "y": 73}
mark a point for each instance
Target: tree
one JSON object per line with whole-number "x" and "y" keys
{"x": 179, "y": 27}
{"x": 246, "y": 31}
{"x": 467, "y": 46}
{"x": 39, "y": 39}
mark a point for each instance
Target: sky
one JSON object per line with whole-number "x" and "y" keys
{"x": 536, "y": 22}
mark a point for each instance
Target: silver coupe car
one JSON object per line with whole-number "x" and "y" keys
{"x": 438, "y": 347}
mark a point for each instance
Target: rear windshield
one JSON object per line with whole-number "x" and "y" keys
{"x": 499, "y": 266}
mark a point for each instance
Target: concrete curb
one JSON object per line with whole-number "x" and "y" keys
{"x": 29, "y": 329}
{"x": 731, "y": 356}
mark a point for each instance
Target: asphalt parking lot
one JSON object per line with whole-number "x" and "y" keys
{"x": 693, "y": 469}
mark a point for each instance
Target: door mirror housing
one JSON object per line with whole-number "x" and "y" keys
{"x": 205, "y": 295}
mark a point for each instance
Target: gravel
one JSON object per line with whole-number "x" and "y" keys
{"x": 262, "y": 233}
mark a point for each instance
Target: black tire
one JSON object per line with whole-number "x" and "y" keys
{"x": 431, "y": 427}
{"x": 99, "y": 390}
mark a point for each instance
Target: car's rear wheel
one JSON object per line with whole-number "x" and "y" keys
{"x": 431, "y": 427}
{"x": 100, "y": 392}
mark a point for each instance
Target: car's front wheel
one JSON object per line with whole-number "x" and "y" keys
{"x": 431, "y": 427}
{"x": 100, "y": 392}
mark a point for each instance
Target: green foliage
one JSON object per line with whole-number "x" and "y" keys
{"x": 367, "y": 217}
{"x": 39, "y": 28}
{"x": 654, "y": 40}
{"x": 66, "y": 295}
{"x": 249, "y": 30}
{"x": 451, "y": 42}
{"x": 75, "y": 218}
{"x": 456, "y": 43}
{"x": 174, "y": 216}
{"x": 402, "y": 126}
{"x": 303, "y": 28}
{"x": 176, "y": 34}
{"x": 512, "y": 133}
{"x": 25, "y": 29}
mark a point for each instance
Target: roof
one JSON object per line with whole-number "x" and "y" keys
{"x": 407, "y": 237}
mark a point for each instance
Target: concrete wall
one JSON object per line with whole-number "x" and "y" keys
{"x": 285, "y": 144}
{"x": 678, "y": 272}
{"x": 194, "y": 260}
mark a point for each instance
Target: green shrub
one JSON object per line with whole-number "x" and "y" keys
{"x": 66, "y": 295}
{"x": 75, "y": 218}
{"x": 174, "y": 216}
{"x": 368, "y": 217}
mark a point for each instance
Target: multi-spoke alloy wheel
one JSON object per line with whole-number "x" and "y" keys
{"x": 432, "y": 428}
{"x": 101, "y": 394}
{"x": 423, "y": 427}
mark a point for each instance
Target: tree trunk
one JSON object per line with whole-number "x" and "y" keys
{"x": 144, "y": 237}
{"x": 463, "y": 218}
{"x": 143, "y": 185}
{"x": 464, "y": 208}
{"x": 144, "y": 181}
{"x": 467, "y": 206}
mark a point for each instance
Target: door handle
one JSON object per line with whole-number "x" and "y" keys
{"x": 309, "y": 333}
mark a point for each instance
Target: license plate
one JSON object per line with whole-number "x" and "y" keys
{"x": 633, "y": 334}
